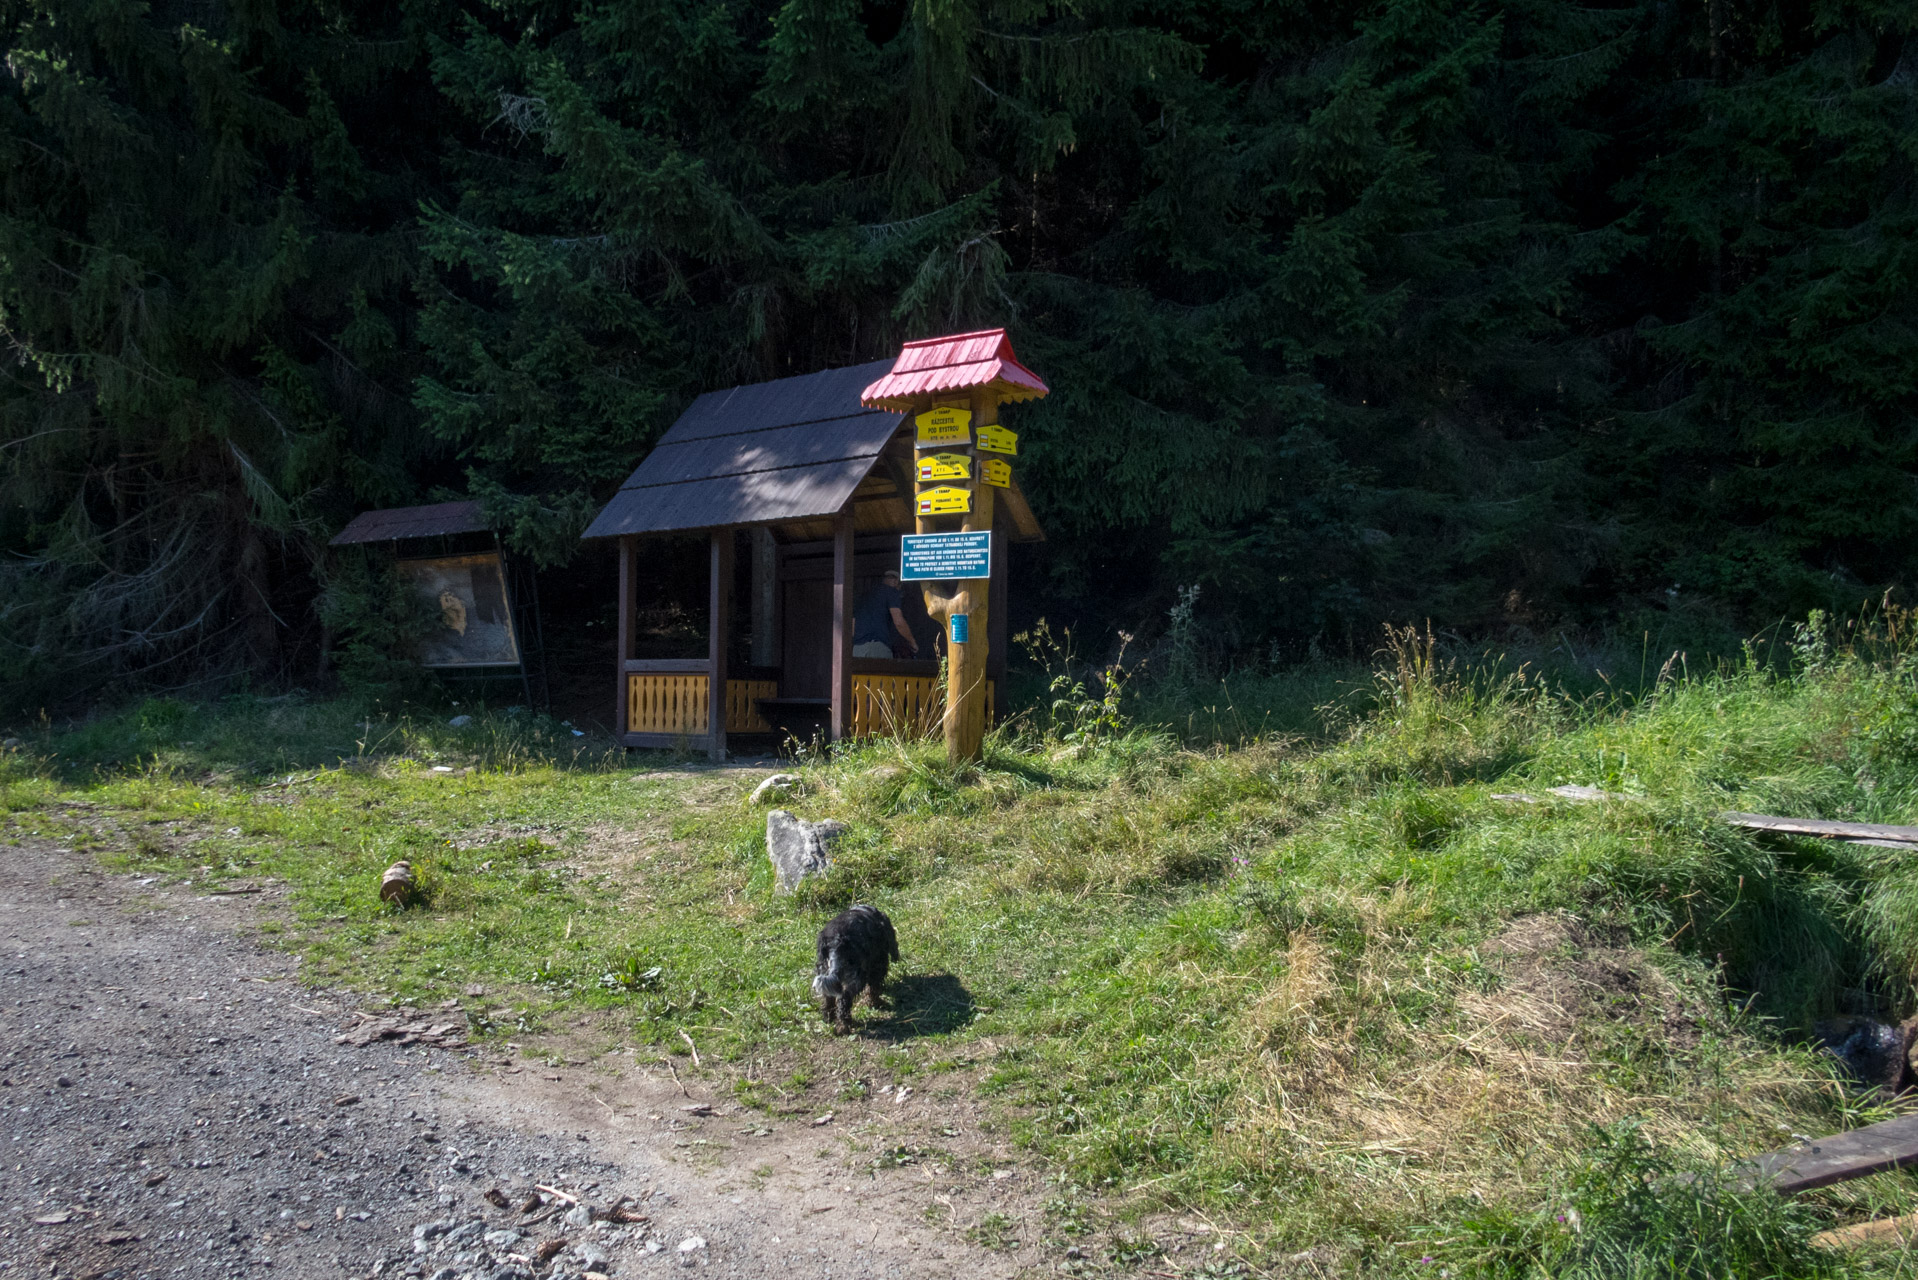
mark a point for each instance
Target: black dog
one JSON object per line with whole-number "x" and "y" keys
{"x": 854, "y": 949}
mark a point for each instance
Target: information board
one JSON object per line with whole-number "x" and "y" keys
{"x": 940, "y": 427}
{"x": 925, "y": 557}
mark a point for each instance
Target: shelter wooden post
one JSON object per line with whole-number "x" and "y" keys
{"x": 842, "y": 589}
{"x": 719, "y": 607}
{"x": 765, "y": 606}
{"x": 628, "y": 567}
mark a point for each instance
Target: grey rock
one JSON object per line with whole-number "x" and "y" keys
{"x": 467, "y": 1231}
{"x": 460, "y": 722}
{"x": 502, "y": 1239}
{"x": 511, "y": 1272}
{"x": 591, "y": 1256}
{"x": 799, "y": 849}
{"x": 777, "y": 787}
{"x": 428, "y": 1230}
{"x": 444, "y": 1273}
{"x": 580, "y": 1215}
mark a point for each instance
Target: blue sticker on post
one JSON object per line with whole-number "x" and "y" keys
{"x": 961, "y": 627}
{"x": 934, "y": 557}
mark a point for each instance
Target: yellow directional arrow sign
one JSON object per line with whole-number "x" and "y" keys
{"x": 945, "y": 466}
{"x": 943, "y": 426}
{"x": 996, "y": 472}
{"x": 945, "y": 500}
{"x": 996, "y": 439}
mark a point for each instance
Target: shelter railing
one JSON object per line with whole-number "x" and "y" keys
{"x": 668, "y": 698}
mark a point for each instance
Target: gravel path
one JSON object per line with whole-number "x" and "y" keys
{"x": 176, "y": 1105}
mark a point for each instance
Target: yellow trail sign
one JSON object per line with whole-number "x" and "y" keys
{"x": 945, "y": 466}
{"x": 945, "y": 500}
{"x": 996, "y": 439}
{"x": 996, "y": 471}
{"x": 943, "y": 426}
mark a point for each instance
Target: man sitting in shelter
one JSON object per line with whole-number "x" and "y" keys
{"x": 878, "y": 619}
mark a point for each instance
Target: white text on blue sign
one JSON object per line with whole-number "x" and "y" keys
{"x": 927, "y": 557}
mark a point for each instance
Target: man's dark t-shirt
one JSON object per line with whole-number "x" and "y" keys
{"x": 872, "y": 620}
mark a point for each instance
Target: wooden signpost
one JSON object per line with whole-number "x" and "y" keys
{"x": 952, "y": 388}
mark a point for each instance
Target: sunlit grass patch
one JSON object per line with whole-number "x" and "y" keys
{"x": 1331, "y": 988}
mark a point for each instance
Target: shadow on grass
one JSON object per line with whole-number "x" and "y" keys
{"x": 924, "y": 1004}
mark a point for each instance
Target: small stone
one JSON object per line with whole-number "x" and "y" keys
{"x": 799, "y": 849}
{"x": 501, "y": 1239}
{"x": 429, "y": 1230}
{"x": 459, "y": 722}
{"x": 691, "y": 1243}
{"x": 444, "y": 1273}
{"x": 65, "y": 1082}
{"x": 654, "y": 1246}
{"x": 592, "y": 1257}
{"x": 777, "y": 787}
{"x": 580, "y": 1215}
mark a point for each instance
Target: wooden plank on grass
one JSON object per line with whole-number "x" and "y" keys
{"x": 1901, "y": 1231}
{"x": 1839, "y": 1158}
{"x": 1582, "y": 795}
{"x": 1819, "y": 827}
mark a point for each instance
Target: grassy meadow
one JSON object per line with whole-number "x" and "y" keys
{"x": 1297, "y": 968}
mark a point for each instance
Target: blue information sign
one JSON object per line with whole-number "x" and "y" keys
{"x": 961, "y": 627}
{"x": 931, "y": 556}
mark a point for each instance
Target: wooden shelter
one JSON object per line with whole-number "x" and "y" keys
{"x": 813, "y": 490}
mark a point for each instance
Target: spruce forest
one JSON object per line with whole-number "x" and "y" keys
{"x": 1524, "y": 316}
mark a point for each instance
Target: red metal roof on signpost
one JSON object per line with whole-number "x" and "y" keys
{"x": 958, "y": 362}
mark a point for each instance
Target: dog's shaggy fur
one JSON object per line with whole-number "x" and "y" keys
{"x": 854, "y": 949}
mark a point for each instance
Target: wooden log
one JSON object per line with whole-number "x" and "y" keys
{"x": 1839, "y": 1158}
{"x": 398, "y": 886}
{"x": 1819, "y": 827}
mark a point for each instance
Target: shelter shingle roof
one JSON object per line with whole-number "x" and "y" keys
{"x": 783, "y": 450}
{"x": 396, "y": 523}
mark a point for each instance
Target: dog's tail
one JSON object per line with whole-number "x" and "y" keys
{"x": 830, "y": 981}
